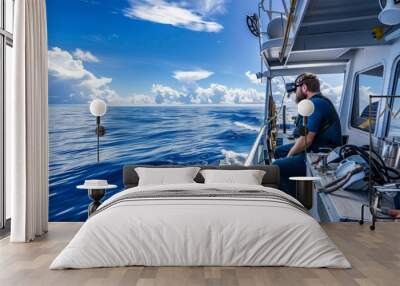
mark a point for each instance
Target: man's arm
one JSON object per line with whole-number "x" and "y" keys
{"x": 300, "y": 144}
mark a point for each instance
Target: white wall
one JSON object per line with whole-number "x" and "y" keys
{"x": 364, "y": 59}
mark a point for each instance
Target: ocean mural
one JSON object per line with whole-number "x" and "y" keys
{"x": 155, "y": 135}
{"x": 179, "y": 90}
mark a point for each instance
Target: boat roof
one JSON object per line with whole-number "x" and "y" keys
{"x": 326, "y": 32}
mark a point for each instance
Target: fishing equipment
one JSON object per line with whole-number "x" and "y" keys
{"x": 357, "y": 164}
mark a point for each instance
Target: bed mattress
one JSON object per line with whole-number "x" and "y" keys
{"x": 201, "y": 225}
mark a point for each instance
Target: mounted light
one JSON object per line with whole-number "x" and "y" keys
{"x": 305, "y": 107}
{"x": 390, "y": 15}
{"x": 98, "y": 107}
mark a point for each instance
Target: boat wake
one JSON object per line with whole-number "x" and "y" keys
{"x": 232, "y": 157}
{"x": 246, "y": 126}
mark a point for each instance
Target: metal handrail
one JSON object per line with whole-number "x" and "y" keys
{"x": 253, "y": 152}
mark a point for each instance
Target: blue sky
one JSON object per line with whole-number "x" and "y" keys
{"x": 152, "y": 51}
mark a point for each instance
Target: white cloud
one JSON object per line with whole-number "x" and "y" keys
{"x": 96, "y": 83}
{"x": 134, "y": 99}
{"x": 63, "y": 66}
{"x": 85, "y": 56}
{"x": 178, "y": 14}
{"x": 167, "y": 95}
{"x": 79, "y": 83}
{"x": 218, "y": 93}
{"x": 192, "y": 76}
{"x": 334, "y": 93}
{"x": 253, "y": 77}
{"x": 165, "y": 90}
{"x": 142, "y": 99}
{"x": 211, "y": 6}
{"x": 213, "y": 94}
{"x": 82, "y": 83}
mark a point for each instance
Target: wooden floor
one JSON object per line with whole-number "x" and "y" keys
{"x": 375, "y": 257}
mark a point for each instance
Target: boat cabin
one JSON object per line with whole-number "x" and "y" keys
{"x": 351, "y": 40}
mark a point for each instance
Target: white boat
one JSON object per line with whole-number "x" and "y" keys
{"x": 359, "y": 39}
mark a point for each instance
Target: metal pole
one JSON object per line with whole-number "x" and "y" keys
{"x": 370, "y": 150}
{"x": 98, "y": 137}
{"x": 372, "y": 207}
{"x": 267, "y": 92}
{"x": 259, "y": 38}
{"x": 266, "y": 119}
{"x": 98, "y": 147}
{"x": 305, "y": 137}
{"x": 285, "y": 7}
{"x": 284, "y": 119}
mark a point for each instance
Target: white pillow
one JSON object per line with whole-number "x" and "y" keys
{"x": 248, "y": 177}
{"x": 166, "y": 176}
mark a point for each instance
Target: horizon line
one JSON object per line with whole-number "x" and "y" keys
{"x": 167, "y": 105}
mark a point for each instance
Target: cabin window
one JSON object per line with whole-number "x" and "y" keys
{"x": 394, "y": 125}
{"x": 369, "y": 82}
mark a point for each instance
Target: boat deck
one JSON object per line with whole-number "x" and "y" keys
{"x": 374, "y": 255}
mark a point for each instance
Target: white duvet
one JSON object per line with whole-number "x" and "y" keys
{"x": 200, "y": 231}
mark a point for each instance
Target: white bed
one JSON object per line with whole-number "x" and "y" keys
{"x": 202, "y": 231}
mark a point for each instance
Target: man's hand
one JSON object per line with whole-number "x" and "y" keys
{"x": 300, "y": 144}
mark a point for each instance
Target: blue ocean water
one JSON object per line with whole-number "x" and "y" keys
{"x": 153, "y": 135}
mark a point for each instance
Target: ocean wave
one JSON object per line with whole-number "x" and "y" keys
{"x": 232, "y": 157}
{"x": 139, "y": 135}
{"x": 246, "y": 126}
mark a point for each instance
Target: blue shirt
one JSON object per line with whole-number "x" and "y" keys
{"x": 325, "y": 123}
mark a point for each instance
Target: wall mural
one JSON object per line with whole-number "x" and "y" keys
{"x": 173, "y": 94}
{"x": 179, "y": 90}
{"x": 157, "y": 135}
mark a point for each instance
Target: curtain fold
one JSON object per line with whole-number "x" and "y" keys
{"x": 27, "y": 119}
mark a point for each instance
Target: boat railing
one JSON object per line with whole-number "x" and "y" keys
{"x": 256, "y": 151}
{"x": 266, "y": 13}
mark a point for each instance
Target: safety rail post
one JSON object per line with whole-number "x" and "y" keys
{"x": 261, "y": 140}
{"x": 284, "y": 119}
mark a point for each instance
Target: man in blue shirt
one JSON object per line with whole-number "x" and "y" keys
{"x": 323, "y": 130}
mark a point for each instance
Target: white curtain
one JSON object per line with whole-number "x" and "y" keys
{"x": 26, "y": 119}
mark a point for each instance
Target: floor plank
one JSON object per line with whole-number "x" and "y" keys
{"x": 375, "y": 257}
